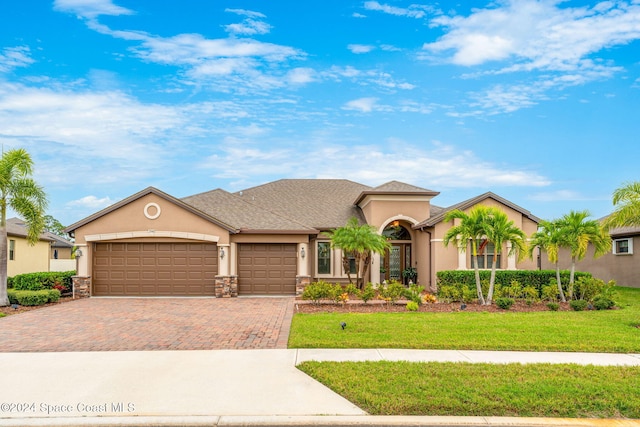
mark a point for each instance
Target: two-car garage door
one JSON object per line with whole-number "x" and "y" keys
{"x": 154, "y": 269}
{"x": 189, "y": 269}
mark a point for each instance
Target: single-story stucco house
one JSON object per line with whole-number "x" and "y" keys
{"x": 23, "y": 257}
{"x": 620, "y": 264}
{"x": 267, "y": 240}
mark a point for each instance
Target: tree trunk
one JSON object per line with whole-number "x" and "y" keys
{"x": 571, "y": 276}
{"x": 4, "y": 298}
{"x": 560, "y": 291}
{"x": 478, "y": 283}
{"x": 367, "y": 267}
{"x": 492, "y": 282}
{"x": 346, "y": 267}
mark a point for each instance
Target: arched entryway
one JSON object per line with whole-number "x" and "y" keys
{"x": 399, "y": 257}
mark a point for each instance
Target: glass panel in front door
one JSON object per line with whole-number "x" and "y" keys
{"x": 395, "y": 263}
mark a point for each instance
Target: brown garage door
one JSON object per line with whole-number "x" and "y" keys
{"x": 154, "y": 269}
{"x": 267, "y": 269}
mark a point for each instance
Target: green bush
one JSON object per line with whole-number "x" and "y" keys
{"x": 61, "y": 281}
{"x": 414, "y": 293}
{"x": 578, "y": 304}
{"x": 54, "y": 295}
{"x": 530, "y": 293}
{"x": 317, "y": 291}
{"x": 9, "y": 282}
{"x": 469, "y": 295}
{"x": 602, "y": 302}
{"x": 536, "y": 278}
{"x": 550, "y": 292}
{"x": 29, "y": 298}
{"x": 391, "y": 292}
{"x": 367, "y": 293}
{"x": 553, "y": 306}
{"x": 412, "y": 306}
{"x": 504, "y": 303}
{"x": 449, "y": 293}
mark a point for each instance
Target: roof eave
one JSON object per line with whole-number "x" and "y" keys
{"x": 394, "y": 193}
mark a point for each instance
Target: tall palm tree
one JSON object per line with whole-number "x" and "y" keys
{"x": 549, "y": 238}
{"x": 24, "y": 196}
{"x": 578, "y": 233}
{"x": 626, "y": 199}
{"x": 470, "y": 229}
{"x": 359, "y": 241}
{"x": 499, "y": 230}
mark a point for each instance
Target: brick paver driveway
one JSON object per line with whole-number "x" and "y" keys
{"x": 120, "y": 324}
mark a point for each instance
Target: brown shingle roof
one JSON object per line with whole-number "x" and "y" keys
{"x": 241, "y": 214}
{"x": 17, "y": 227}
{"x": 471, "y": 202}
{"x": 318, "y": 203}
{"x": 397, "y": 188}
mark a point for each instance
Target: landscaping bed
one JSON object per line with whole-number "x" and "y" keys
{"x": 9, "y": 310}
{"x": 401, "y": 306}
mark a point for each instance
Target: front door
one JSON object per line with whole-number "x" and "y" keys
{"x": 396, "y": 260}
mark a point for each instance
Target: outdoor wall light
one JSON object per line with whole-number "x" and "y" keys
{"x": 78, "y": 253}
{"x": 221, "y": 253}
{"x": 302, "y": 253}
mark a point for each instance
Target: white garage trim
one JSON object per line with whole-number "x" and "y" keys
{"x": 152, "y": 233}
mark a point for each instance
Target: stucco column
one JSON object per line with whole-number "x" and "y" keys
{"x": 462, "y": 260}
{"x": 303, "y": 259}
{"x": 375, "y": 268}
{"x": 511, "y": 259}
{"x": 82, "y": 261}
{"x": 224, "y": 259}
{"x": 233, "y": 256}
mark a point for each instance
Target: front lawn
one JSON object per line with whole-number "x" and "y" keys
{"x": 590, "y": 331}
{"x": 464, "y": 389}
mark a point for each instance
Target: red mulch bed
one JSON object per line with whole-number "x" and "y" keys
{"x": 381, "y": 307}
{"x": 8, "y": 310}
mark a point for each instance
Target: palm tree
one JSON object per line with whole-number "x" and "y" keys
{"x": 471, "y": 228}
{"x": 626, "y": 199}
{"x": 19, "y": 192}
{"x": 359, "y": 241}
{"x": 499, "y": 230}
{"x": 578, "y": 233}
{"x": 549, "y": 238}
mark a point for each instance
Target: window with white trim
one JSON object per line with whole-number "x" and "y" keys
{"x": 623, "y": 246}
{"x": 12, "y": 250}
{"x": 324, "y": 257}
{"x": 485, "y": 256}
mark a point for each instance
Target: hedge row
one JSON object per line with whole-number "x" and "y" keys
{"x": 33, "y": 297}
{"x": 535, "y": 278}
{"x": 46, "y": 280}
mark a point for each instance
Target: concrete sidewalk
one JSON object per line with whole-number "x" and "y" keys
{"x": 224, "y": 387}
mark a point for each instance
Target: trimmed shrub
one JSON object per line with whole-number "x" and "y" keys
{"x": 602, "y": 302}
{"x": 54, "y": 295}
{"x": 449, "y": 293}
{"x": 46, "y": 280}
{"x": 578, "y": 304}
{"x": 412, "y": 306}
{"x": 504, "y": 303}
{"x": 392, "y": 292}
{"x": 30, "y": 298}
{"x": 553, "y": 306}
{"x": 367, "y": 293}
{"x": 317, "y": 291}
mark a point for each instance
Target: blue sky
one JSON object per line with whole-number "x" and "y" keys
{"x": 537, "y": 101}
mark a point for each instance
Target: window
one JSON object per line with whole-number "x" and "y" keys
{"x": 353, "y": 267}
{"x": 485, "y": 256}
{"x": 12, "y": 250}
{"x": 623, "y": 246}
{"x": 324, "y": 258}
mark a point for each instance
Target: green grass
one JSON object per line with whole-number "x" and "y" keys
{"x": 463, "y": 389}
{"x": 589, "y": 331}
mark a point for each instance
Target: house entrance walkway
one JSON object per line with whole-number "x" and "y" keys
{"x": 139, "y": 324}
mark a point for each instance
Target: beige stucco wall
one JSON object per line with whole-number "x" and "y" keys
{"x": 28, "y": 259}
{"x": 447, "y": 258}
{"x": 63, "y": 253}
{"x": 378, "y": 211}
{"x": 624, "y": 269}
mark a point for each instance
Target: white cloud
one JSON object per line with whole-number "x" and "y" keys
{"x": 360, "y": 48}
{"x": 413, "y": 11}
{"x": 252, "y": 25}
{"x": 535, "y": 34}
{"x": 300, "y": 76}
{"x": 365, "y": 105}
{"x": 91, "y": 202}
{"x": 90, "y": 8}
{"x": 14, "y": 57}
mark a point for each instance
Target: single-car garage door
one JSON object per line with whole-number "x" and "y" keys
{"x": 267, "y": 269}
{"x": 154, "y": 269}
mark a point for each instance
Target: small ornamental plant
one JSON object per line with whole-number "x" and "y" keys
{"x": 429, "y": 299}
{"x": 412, "y": 306}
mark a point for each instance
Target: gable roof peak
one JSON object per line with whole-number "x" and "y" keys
{"x": 398, "y": 186}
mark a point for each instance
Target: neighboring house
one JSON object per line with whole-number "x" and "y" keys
{"x": 61, "y": 253}
{"x": 621, "y": 264}
{"x": 268, "y": 239}
{"x": 21, "y": 256}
